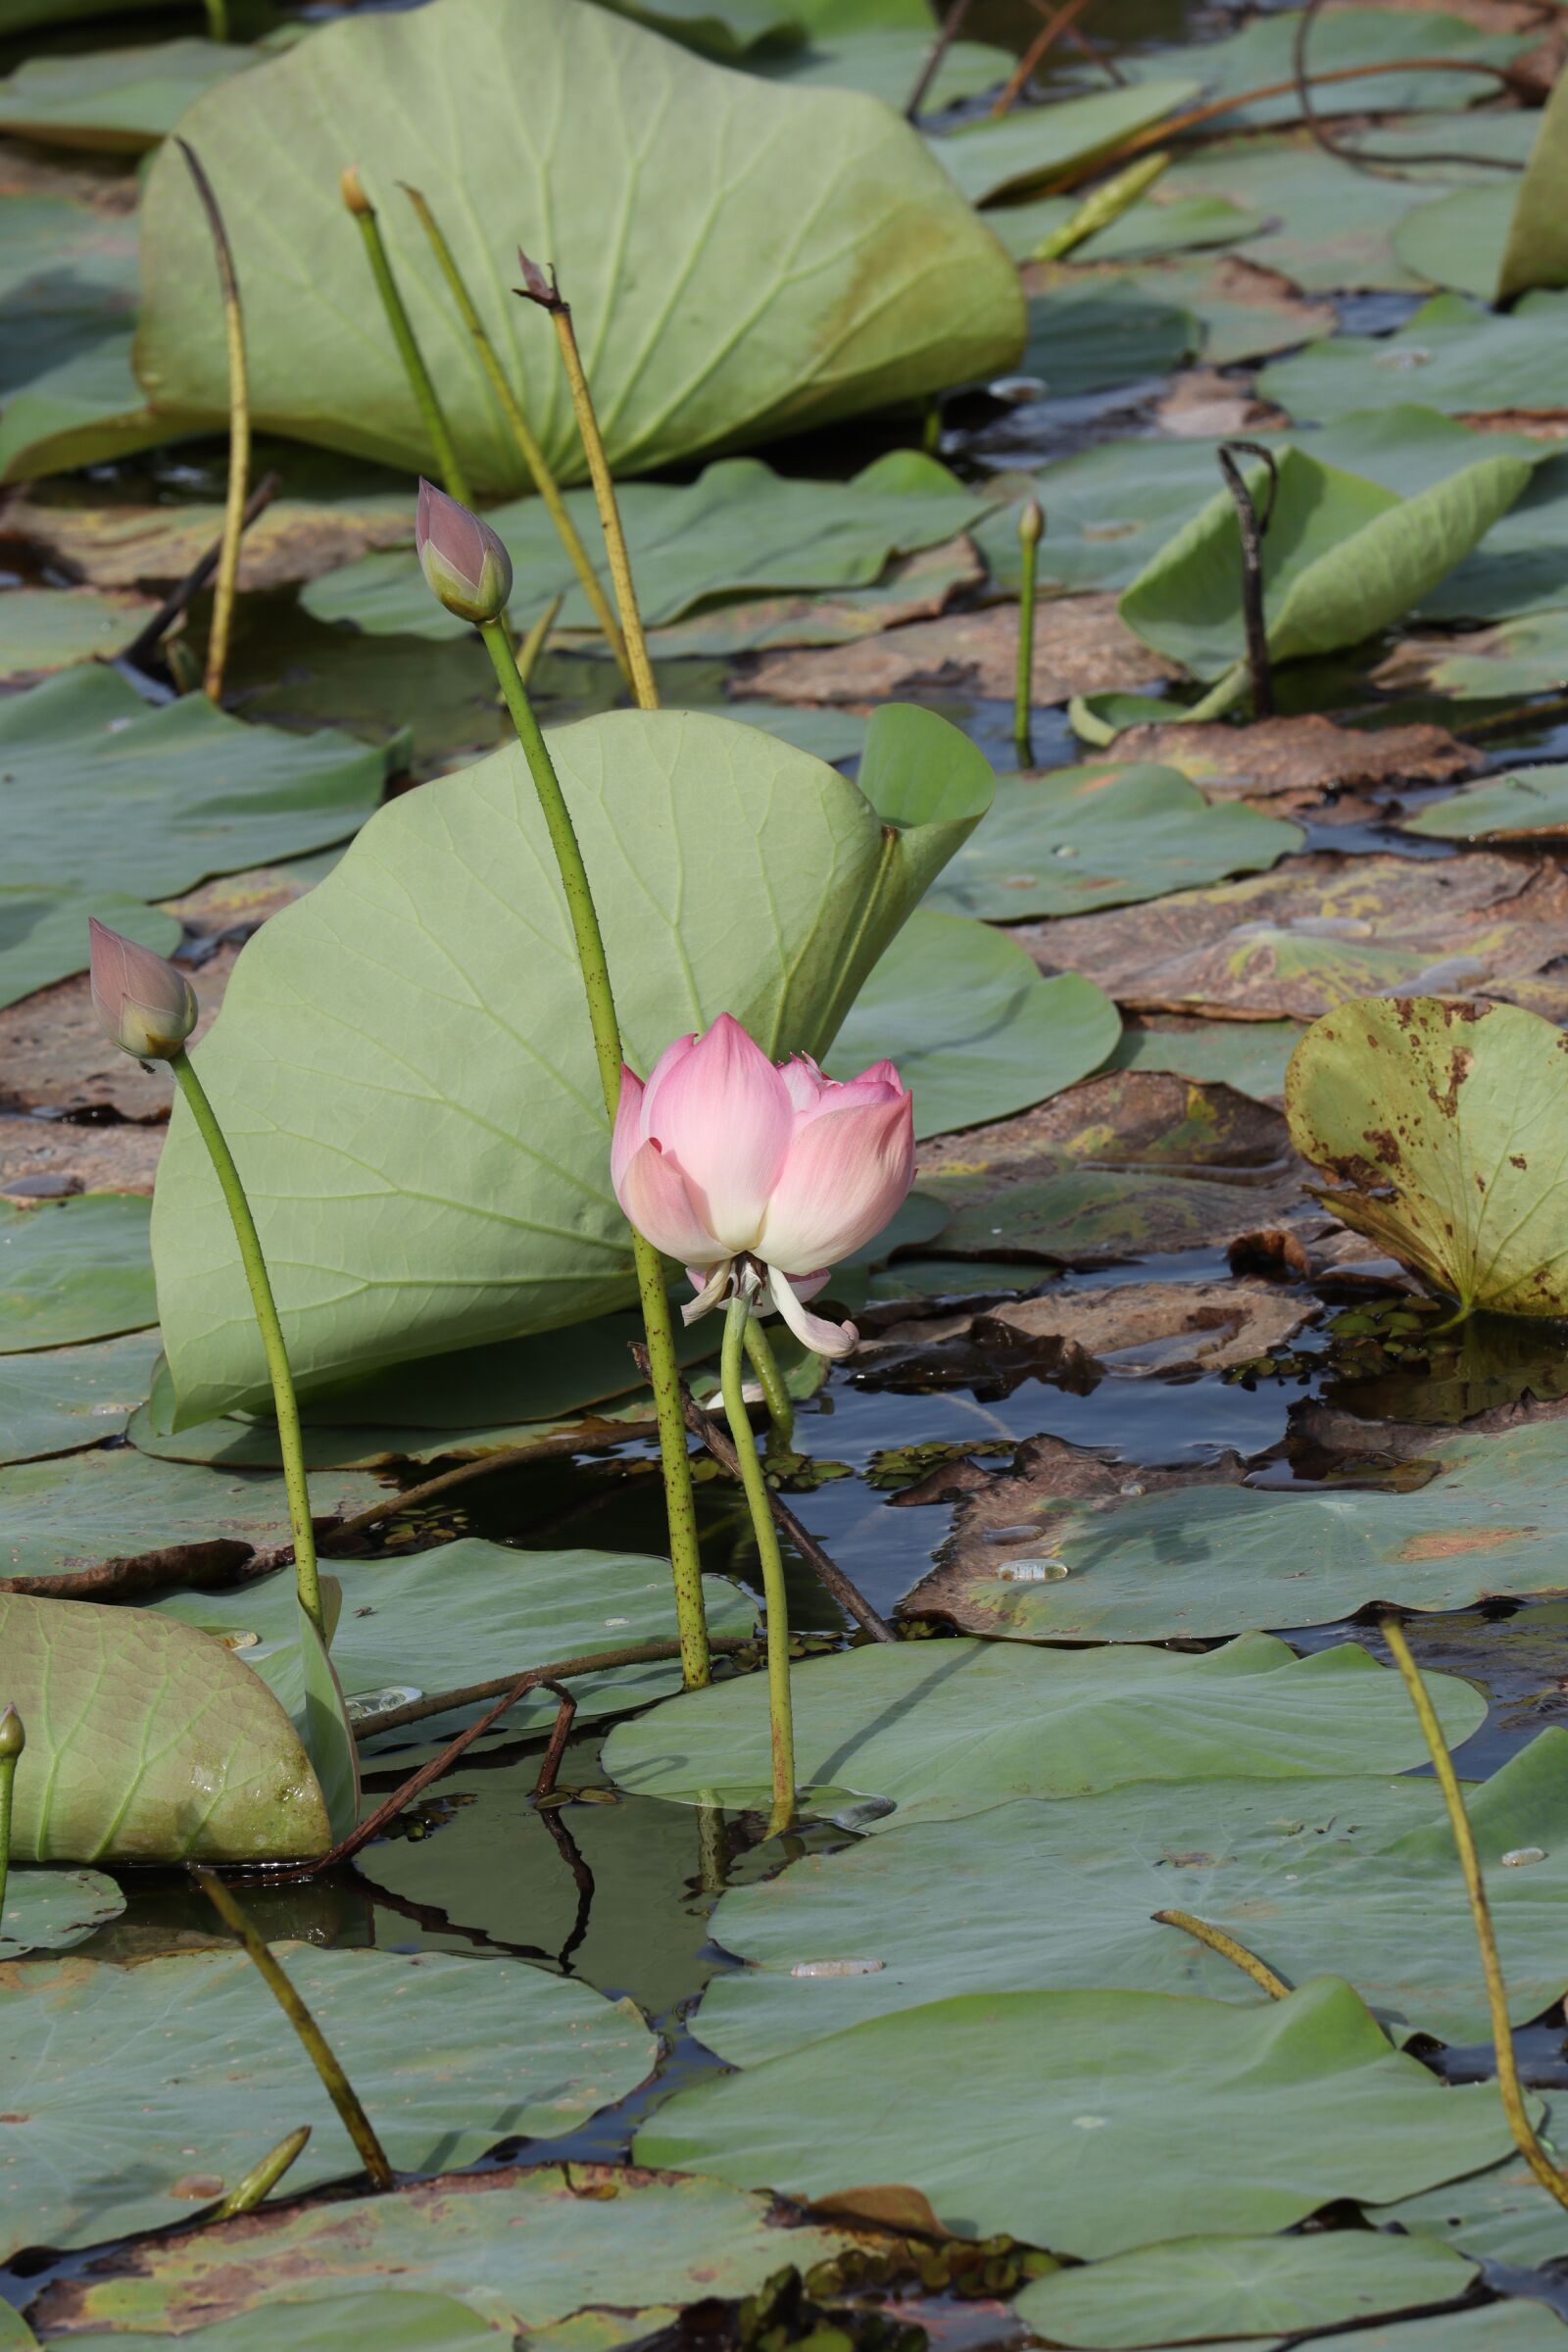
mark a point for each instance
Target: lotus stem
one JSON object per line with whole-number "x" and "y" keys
{"x": 13, "y": 1739}
{"x": 1031, "y": 523}
{"x": 216, "y": 23}
{"x": 533, "y": 457}
{"x": 533, "y": 645}
{"x": 931, "y": 64}
{"x": 737, "y": 1315}
{"x": 262, "y": 2179}
{"x": 1101, "y": 207}
{"x": 1057, "y": 23}
{"x": 1228, "y": 1948}
{"x": 1253, "y": 526}
{"x": 776, "y": 1392}
{"x": 339, "y": 2090}
{"x": 536, "y": 287}
{"x": 284, "y": 1404}
{"x": 1525, "y": 2137}
{"x": 239, "y": 430}
{"x": 420, "y": 383}
{"x": 685, "y": 1559}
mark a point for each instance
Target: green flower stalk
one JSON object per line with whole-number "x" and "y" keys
{"x": 1031, "y": 529}
{"x": 13, "y": 1739}
{"x": 147, "y": 1007}
{"x": 468, "y": 571}
{"x": 420, "y": 382}
{"x": 239, "y": 434}
{"x": 781, "y": 1715}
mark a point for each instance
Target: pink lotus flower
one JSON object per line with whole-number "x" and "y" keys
{"x": 761, "y": 1178}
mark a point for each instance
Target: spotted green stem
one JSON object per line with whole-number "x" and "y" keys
{"x": 733, "y": 1379}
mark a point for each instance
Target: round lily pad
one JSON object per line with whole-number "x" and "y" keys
{"x": 50, "y": 1910}
{"x": 59, "y": 1399}
{"x": 74, "y": 1270}
{"x": 44, "y": 933}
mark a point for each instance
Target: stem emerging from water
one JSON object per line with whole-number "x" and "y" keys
{"x": 285, "y": 1405}
{"x": 736, "y": 1317}
{"x": 1513, "y": 2101}
{"x": 683, "y": 1550}
{"x": 1031, "y": 523}
{"x": 239, "y": 433}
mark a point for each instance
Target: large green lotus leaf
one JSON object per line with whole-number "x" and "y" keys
{"x": 882, "y": 49}
{"x": 403, "y": 1064}
{"x": 712, "y": 304}
{"x": 1240, "y": 317}
{"x": 740, "y": 528}
{"x": 523, "y": 2249}
{"x": 1453, "y": 355}
{"x": 1511, "y": 2327}
{"x": 121, "y": 100}
{"x": 1529, "y": 805}
{"x": 1342, "y": 559}
{"x": 47, "y": 629}
{"x": 135, "y": 2081}
{"x": 1251, "y": 1056}
{"x": 49, "y": 1910}
{"x": 392, "y": 2320}
{"x": 73, "y": 1270}
{"x": 68, "y": 271}
{"x": 59, "y": 1399}
{"x": 1051, "y": 1896}
{"x": 1262, "y": 53}
{"x": 84, "y": 411}
{"x": 44, "y": 935}
{"x": 1066, "y": 843}
{"x": 1331, "y": 229}
{"x": 1125, "y": 2116}
{"x": 974, "y": 1029}
{"x": 1498, "y": 2215}
{"x": 1034, "y": 144}
{"x": 1536, "y": 247}
{"x": 1458, "y": 240}
{"x": 109, "y": 795}
{"x": 148, "y": 1742}
{"x": 1444, "y": 1124}
{"x": 472, "y": 1610}
{"x": 724, "y": 28}
{"x": 117, "y": 1520}
{"x": 954, "y": 1727}
{"x": 1229, "y": 2287}
{"x": 1095, "y": 337}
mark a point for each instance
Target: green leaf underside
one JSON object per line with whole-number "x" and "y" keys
{"x": 1443, "y": 1124}
{"x": 73, "y": 1270}
{"x": 138, "y": 2079}
{"x": 957, "y": 1728}
{"x": 974, "y": 1029}
{"x": 147, "y": 1742}
{"x": 402, "y": 1064}
{"x": 1318, "y": 1876}
{"x": 713, "y": 308}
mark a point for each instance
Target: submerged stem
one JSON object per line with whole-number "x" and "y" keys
{"x": 284, "y": 1404}
{"x": 765, "y": 1363}
{"x": 685, "y": 1562}
{"x": 736, "y": 1317}
{"x": 339, "y": 2090}
{"x": 1525, "y": 2138}
{"x": 239, "y": 433}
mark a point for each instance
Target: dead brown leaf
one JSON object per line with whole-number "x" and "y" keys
{"x": 1081, "y": 644}
{"x": 1306, "y": 757}
{"x": 1204, "y": 403}
{"x": 914, "y": 588}
{"x": 42, "y": 1159}
{"x": 152, "y": 547}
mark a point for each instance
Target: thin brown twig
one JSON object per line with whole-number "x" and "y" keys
{"x": 947, "y": 34}
{"x": 560, "y": 1732}
{"x": 147, "y": 639}
{"x": 1018, "y": 80}
{"x": 1251, "y": 526}
{"x": 1228, "y": 1948}
{"x": 504, "y": 1457}
{"x": 1082, "y": 39}
{"x": 1358, "y": 157}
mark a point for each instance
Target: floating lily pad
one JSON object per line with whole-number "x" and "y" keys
{"x": 1149, "y": 226}
{"x": 417, "y": 2036}
{"x": 119, "y": 100}
{"x": 1127, "y": 2116}
{"x": 61, "y": 1398}
{"x": 1229, "y": 2286}
{"x": 724, "y": 28}
{"x": 974, "y": 1029}
{"x": 1250, "y": 1055}
{"x": 1500, "y": 2215}
{"x": 46, "y": 630}
{"x": 1098, "y": 336}
{"x": 1498, "y": 241}
{"x": 1077, "y": 1216}
{"x": 1512, "y": 2327}
{"x": 147, "y": 1742}
{"x": 709, "y": 306}
{"x": 1244, "y": 312}
{"x": 1330, "y": 228}
{"x": 73, "y": 1270}
{"x": 50, "y": 1910}
{"x": 1036, "y": 144}
{"x": 1262, "y": 53}
{"x": 1520, "y": 566}
{"x": 44, "y": 933}
{"x": 84, "y": 411}
{"x": 1444, "y": 1125}
{"x": 95, "y": 779}
{"x": 1453, "y": 355}
{"x": 1077, "y": 839}
{"x": 493, "y": 1210}
{"x": 954, "y": 1727}
{"x": 1530, "y": 805}
{"x": 395, "y": 2322}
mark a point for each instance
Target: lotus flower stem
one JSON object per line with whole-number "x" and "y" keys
{"x": 216, "y": 23}
{"x": 685, "y": 1559}
{"x": 765, "y": 1363}
{"x": 13, "y": 1739}
{"x": 437, "y": 430}
{"x": 536, "y": 287}
{"x": 1228, "y": 1948}
{"x": 264, "y": 1306}
{"x": 1031, "y": 524}
{"x": 737, "y": 1315}
{"x": 1252, "y": 525}
{"x": 533, "y": 457}
{"x": 262, "y": 2179}
{"x": 239, "y": 430}
{"x": 1101, "y": 206}
{"x": 339, "y": 2090}
{"x": 533, "y": 645}
{"x": 1524, "y": 2132}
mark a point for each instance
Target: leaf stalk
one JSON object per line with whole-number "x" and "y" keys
{"x": 239, "y": 433}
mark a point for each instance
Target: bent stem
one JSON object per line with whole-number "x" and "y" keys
{"x": 533, "y": 457}
{"x": 736, "y": 1317}
{"x": 339, "y": 2090}
{"x": 1513, "y": 2103}
{"x": 239, "y": 431}
{"x": 765, "y": 1363}
{"x": 284, "y": 1404}
{"x": 420, "y": 382}
{"x": 1228, "y": 1948}
{"x": 685, "y": 1560}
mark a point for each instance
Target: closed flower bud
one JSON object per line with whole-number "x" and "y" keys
{"x": 464, "y": 563}
{"x": 12, "y": 1739}
{"x": 1031, "y": 523}
{"x": 145, "y": 1005}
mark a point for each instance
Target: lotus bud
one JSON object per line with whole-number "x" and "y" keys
{"x": 464, "y": 563}
{"x": 352, "y": 188}
{"x": 536, "y": 287}
{"x": 145, "y": 1005}
{"x": 1032, "y": 523}
{"x": 12, "y": 1739}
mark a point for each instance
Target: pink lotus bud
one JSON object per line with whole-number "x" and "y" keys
{"x": 536, "y": 287}
{"x": 145, "y": 1005}
{"x": 464, "y": 561}
{"x": 722, "y": 1157}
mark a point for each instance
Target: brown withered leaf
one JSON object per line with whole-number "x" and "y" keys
{"x": 293, "y": 540}
{"x": 54, "y": 1057}
{"x": 1081, "y": 644}
{"x": 1121, "y": 1118}
{"x": 1205, "y": 404}
{"x": 914, "y": 587}
{"x": 44, "y": 1159}
{"x": 1309, "y": 756}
